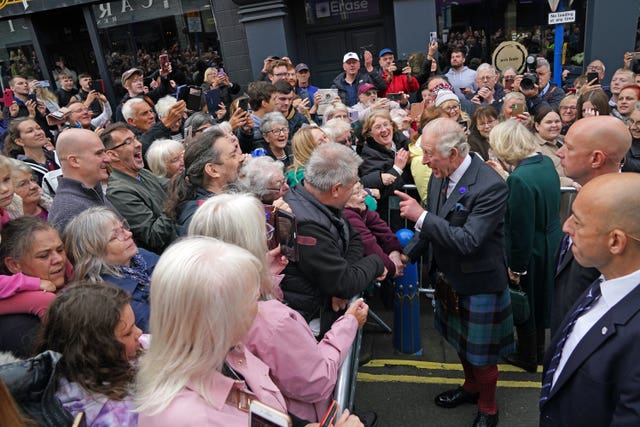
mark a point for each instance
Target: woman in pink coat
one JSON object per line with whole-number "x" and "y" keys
{"x": 304, "y": 369}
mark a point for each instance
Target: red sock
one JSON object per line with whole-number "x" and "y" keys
{"x": 470, "y": 382}
{"x": 487, "y": 379}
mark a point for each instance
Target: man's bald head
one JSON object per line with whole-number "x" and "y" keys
{"x": 82, "y": 156}
{"x": 73, "y": 141}
{"x": 604, "y": 225}
{"x": 594, "y": 146}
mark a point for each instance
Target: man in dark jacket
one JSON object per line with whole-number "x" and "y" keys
{"x": 350, "y": 80}
{"x": 331, "y": 267}
{"x": 142, "y": 120}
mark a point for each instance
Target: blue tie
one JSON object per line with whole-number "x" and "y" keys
{"x": 564, "y": 248}
{"x": 585, "y": 305}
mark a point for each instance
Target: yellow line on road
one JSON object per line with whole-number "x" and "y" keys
{"x": 381, "y": 363}
{"x": 383, "y": 378}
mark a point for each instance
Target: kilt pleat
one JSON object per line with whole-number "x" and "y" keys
{"x": 482, "y": 330}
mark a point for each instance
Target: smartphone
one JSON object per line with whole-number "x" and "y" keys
{"x": 44, "y": 83}
{"x": 261, "y": 415}
{"x": 8, "y": 97}
{"x": 400, "y": 64}
{"x": 433, "y": 37}
{"x": 517, "y": 109}
{"x": 353, "y": 115}
{"x": 164, "y": 63}
{"x": 243, "y": 104}
{"x": 32, "y": 97}
{"x": 221, "y": 71}
{"x": 394, "y": 96}
{"x": 330, "y": 415}
{"x": 636, "y": 56}
{"x": 192, "y": 95}
{"x": 592, "y": 76}
{"x": 286, "y": 229}
{"x": 98, "y": 85}
{"x": 464, "y": 124}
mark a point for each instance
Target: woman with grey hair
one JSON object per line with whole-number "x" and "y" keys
{"x": 101, "y": 248}
{"x": 339, "y": 130}
{"x": 197, "y": 123}
{"x": 34, "y": 201}
{"x": 165, "y": 158}
{"x": 264, "y": 177}
{"x": 532, "y": 232}
{"x": 275, "y": 132}
{"x": 336, "y": 111}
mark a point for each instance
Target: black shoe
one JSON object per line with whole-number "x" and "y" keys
{"x": 456, "y": 397}
{"x": 516, "y": 359}
{"x": 368, "y": 418}
{"x": 485, "y": 420}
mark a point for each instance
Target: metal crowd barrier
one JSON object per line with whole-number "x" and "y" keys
{"x": 345, "y": 390}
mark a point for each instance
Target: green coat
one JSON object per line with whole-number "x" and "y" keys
{"x": 533, "y": 232}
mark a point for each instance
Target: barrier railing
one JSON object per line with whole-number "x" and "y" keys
{"x": 345, "y": 390}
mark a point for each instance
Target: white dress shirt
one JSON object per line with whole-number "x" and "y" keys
{"x": 612, "y": 292}
{"x": 455, "y": 176}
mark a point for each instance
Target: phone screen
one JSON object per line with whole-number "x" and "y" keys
{"x": 285, "y": 225}
{"x": 8, "y": 97}
{"x": 192, "y": 96}
{"x": 592, "y": 76}
{"x": 164, "y": 62}
{"x": 517, "y": 109}
{"x": 433, "y": 37}
{"x": 243, "y": 104}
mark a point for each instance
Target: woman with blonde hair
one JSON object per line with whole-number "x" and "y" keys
{"x": 303, "y": 142}
{"x": 532, "y": 232}
{"x": 304, "y": 369}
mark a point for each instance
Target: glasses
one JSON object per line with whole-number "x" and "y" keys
{"x": 121, "y": 232}
{"x": 281, "y": 131}
{"x": 345, "y": 141}
{"x": 487, "y": 124}
{"x": 270, "y": 231}
{"x": 279, "y": 186}
{"x": 452, "y": 108}
{"x": 81, "y": 110}
{"x": 485, "y": 78}
{"x": 568, "y": 107}
{"x": 369, "y": 93}
{"x": 633, "y": 123}
{"x": 127, "y": 141}
{"x": 594, "y": 68}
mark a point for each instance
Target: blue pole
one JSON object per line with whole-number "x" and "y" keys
{"x": 557, "y": 51}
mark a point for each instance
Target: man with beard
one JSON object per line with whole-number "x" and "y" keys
{"x": 461, "y": 77}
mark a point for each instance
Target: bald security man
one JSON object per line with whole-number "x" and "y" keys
{"x": 83, "y": 160}
{"x": 593, "y": 146}
{"x": 591, "y": 370}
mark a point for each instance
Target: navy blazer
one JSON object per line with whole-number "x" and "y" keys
{"x": 600, "y": 383}
{"x": 467, "y": 233}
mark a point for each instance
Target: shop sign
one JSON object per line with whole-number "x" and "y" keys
{"x": 20, "y": 7}
{"x": 341, "y": 10}
{"x": 509, "y": 54}
{"x": 122, "y": 12}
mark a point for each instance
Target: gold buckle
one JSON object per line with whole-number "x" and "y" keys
{"x": 242, "y": 400}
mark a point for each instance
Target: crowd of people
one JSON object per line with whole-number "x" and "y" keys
{"x": 169, "y": 259}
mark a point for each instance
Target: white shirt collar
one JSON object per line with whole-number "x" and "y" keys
{"x": 457, "y": 174}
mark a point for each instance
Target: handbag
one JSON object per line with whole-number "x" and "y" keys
{"x": 519, "y": 305}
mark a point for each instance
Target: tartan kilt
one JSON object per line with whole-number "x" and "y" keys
{"x": 482, "y": 330}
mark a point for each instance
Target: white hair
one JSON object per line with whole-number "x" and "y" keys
{"x": 127, "y": 108}
{"x": 163, "y": 105}
{"x": 204, "y": 294}
{"x": 336, "y": 127}
{"x": 159, "y": 153}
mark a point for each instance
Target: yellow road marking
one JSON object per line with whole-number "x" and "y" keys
{"x": 384, "y": 378}
{"x": 381, "y": 363}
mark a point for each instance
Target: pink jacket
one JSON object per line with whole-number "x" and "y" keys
{"x": 10, "y": 285}
{"x": 189, "y": 408}
{"x": 304, "y": 369}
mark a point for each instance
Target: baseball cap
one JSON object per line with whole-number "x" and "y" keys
{"x": 384, "y": 52}
{"x": 350, "y": 55}
{"x": 301, "y": 66}
{"x": 130, "y": 73}
{"x": 365, "y": 87}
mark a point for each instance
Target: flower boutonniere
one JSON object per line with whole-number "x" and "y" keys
{"x": 462, "y": 190}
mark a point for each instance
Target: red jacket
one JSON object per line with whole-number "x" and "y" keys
{"x": 399, "y": 84}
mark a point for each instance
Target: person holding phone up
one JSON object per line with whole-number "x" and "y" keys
{"x": 397, "y": 75}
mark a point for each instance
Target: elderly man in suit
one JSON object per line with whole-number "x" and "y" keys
{"x": 463, "y": 224}
{"x": 591, "y": 369}
{"x": 593, "y": 146}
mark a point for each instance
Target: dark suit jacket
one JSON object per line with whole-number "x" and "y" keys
{"x": 571, "y": 280}
{"x": 599, "y": 385}
{"x": 466, "y": 234}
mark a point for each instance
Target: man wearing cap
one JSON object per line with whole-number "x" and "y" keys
{"x": 349, "y": 81}
{"x": 404, "y": 83}
{"x": 368, "y": 100}
{"x": 304, "y": 89}
{"x": 133, "y": 81}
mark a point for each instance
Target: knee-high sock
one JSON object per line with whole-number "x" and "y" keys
{"x": 470, "y": 381}
{"x": 487, "y": 379}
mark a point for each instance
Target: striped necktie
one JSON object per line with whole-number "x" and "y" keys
{"x": 585, "y": 305}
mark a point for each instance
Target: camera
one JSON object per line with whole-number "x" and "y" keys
{"x": 529, "y": 80}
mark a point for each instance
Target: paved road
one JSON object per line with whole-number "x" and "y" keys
{"x": 401, "y": 388}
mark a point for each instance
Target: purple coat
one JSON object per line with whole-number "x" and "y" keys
{"x": 376, "y": 235}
